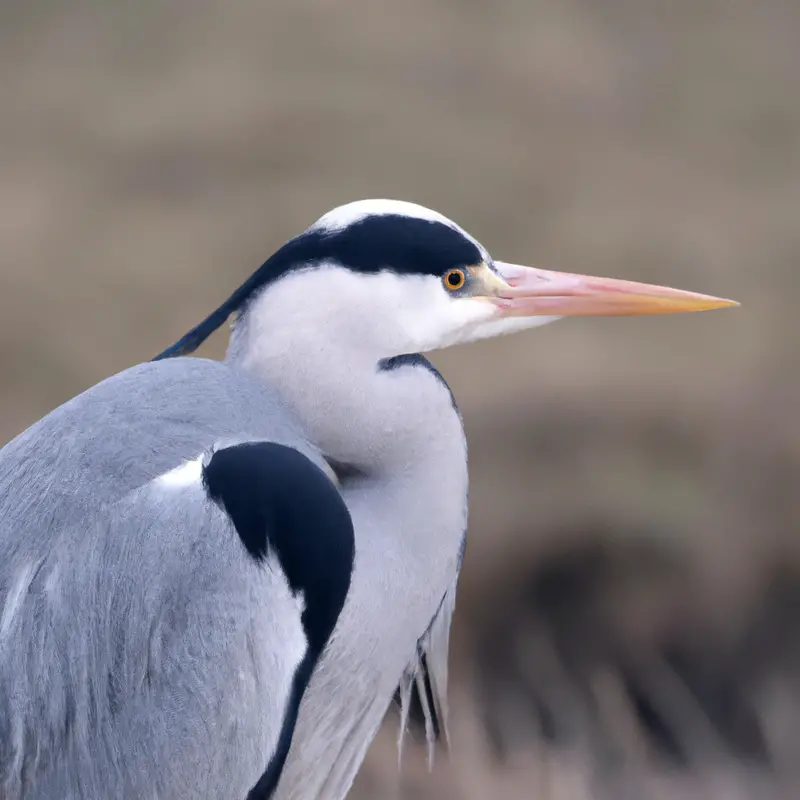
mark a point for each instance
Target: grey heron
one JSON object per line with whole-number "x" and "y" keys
{"x": 215, "y": 575}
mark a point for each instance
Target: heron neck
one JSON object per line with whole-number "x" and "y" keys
{"x": 395, "y": 423}
{"x": 394, "y": 427}
{"x": 375, "y": 414}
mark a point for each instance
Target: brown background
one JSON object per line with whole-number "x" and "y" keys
{"x": 634, "y": 481}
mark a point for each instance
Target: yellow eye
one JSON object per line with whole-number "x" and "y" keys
{"x": 454, "y": 279}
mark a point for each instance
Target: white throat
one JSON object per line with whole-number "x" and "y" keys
{"x": 329, "y": 371}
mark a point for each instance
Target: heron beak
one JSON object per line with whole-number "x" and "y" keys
{"x": 533, "y": 292}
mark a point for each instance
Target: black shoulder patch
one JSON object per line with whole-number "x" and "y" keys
{"x": 281, "y": 502}
{"x": 407, "y": 245}
{"x": 265, "y": 786}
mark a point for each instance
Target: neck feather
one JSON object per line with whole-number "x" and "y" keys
{"x": 374, "y": 414}
{"x": 393, "y": 420}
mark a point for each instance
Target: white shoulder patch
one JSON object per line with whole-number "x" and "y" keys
{"x": 15, "y": 596}
{"x": 183, "y": 475}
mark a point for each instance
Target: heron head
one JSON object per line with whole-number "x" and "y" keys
{"x": 400, "y": 278}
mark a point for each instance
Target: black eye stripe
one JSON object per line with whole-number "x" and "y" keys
{"x": 405, "y": 245}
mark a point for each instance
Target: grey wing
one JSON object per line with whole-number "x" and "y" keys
{"x": 123, "y": 432}
{"x": 160, "y": 647}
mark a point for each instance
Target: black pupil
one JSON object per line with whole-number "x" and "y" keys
{"x": 454, "y": 279}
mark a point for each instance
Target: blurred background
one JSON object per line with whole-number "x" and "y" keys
{"x": 629, "y": 613}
